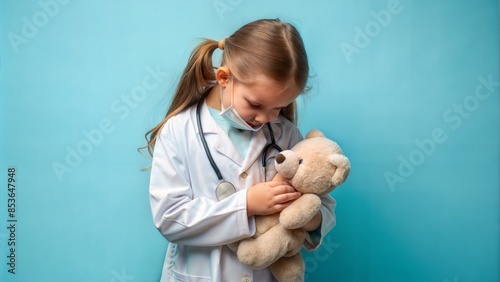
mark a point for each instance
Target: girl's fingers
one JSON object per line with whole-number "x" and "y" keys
{"x": 284, "y": 189}
{"x": 287, "y": 197}
{"x": 275, "y": 183}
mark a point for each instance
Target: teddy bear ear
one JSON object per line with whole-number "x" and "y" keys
{"x": 314, "y": 133}
{"x": 343, "y": 168}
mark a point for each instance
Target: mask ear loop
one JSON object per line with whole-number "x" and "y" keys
{"x": 232, "y": 92}
{"x": 223, "y": 109}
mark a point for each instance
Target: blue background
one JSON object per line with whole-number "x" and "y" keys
{"x": 399, "y": 84}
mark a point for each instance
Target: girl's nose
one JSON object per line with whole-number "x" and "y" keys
{"x": 266, "y": 117}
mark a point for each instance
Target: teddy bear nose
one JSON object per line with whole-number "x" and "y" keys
{"x": 280, "y": 158}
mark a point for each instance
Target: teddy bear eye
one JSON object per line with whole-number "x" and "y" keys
{"x": 300, "y": 161}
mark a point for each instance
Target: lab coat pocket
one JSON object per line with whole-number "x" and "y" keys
{"x": 183, "y": 277}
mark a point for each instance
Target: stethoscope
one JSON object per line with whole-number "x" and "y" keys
{"x": 225, "y": 188}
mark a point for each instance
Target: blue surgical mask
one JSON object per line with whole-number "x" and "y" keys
{"x": 232, "y": 117}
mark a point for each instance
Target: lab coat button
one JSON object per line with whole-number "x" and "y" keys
{"x": 246, "y": 279}
{"x": 244, "y": 175}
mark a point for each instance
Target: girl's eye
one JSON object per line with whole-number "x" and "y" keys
{"x": 256, "y": 106}
{"x": 300, "y": 161}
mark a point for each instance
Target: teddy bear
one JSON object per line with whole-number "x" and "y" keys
{"x": 314, "y": 166}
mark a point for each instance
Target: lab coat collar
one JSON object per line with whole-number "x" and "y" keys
{"x": 208, "y": 122}
{"x": 222, "y": 144}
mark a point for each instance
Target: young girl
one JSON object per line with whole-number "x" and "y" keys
{"x": 217, "y": 130}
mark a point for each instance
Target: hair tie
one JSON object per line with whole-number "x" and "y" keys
{"x": 221, "y": 44}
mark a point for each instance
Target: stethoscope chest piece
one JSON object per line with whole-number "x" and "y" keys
{"x": 224, "y": 190}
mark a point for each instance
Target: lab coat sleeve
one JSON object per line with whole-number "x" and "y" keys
{"x": 182, "y": 218}
{"x": 315, "y": 238}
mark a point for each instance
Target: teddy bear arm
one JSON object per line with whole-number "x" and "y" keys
{"x": 262, "y": 251}
{"x": 300, "y": 212}
{"x": 289, "y": 269}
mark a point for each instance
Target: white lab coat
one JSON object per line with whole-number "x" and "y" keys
{"x": 184, "y": 205}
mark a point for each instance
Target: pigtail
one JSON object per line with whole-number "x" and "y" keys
{"x": 197, "y": 78}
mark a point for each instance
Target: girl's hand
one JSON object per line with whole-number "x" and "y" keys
{"x": 270, "y": 197}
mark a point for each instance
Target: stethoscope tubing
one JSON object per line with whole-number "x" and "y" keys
{"x": 207, "y": 150}
{"x": 204, "y": 141}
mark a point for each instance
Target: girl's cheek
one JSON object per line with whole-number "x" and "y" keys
{"x": 276, "y": 113}
{"x": 247, "y": 115}
{"x": 273, "y": 115}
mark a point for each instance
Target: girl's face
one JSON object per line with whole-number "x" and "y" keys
{"x": 260, "y": 100}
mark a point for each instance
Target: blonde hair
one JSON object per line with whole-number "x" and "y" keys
{"x": 269, "y": 47}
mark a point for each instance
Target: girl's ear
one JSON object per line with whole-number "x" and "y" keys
{"x": 222, "y": 75}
